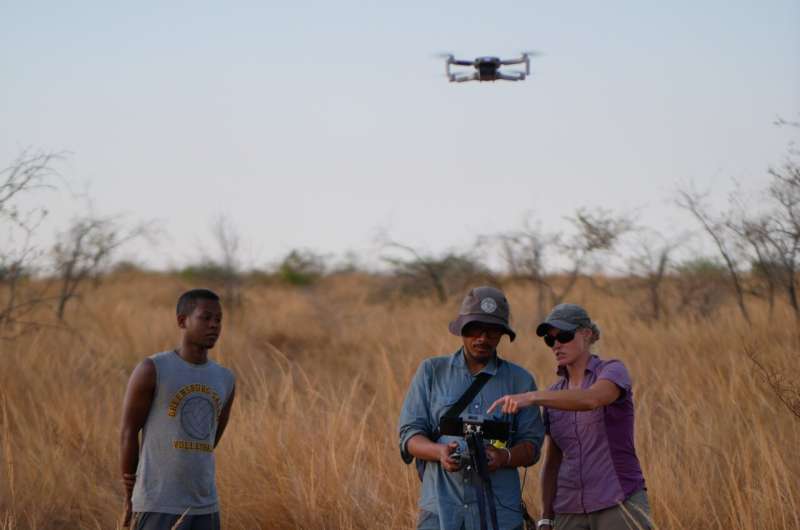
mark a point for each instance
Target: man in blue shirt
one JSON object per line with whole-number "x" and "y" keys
{"x": 448, "y": 499}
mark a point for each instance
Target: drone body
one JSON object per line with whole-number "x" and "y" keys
{"x": 488, "y": 69}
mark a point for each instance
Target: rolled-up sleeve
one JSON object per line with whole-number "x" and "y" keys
{"x": 529, "y": 425}
{"x": 415, "y": 416}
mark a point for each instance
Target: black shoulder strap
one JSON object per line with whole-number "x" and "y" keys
{"x": 457, "y": 408}
{"x": 465, "y": 399}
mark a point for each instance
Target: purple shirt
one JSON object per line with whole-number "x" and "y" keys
{"x": 599, "y": 467}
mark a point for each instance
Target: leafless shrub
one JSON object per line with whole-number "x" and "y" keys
{"x": 229, "y": 247}
{"x": 725, "y": 239}
{"x": 525, "y": 252}
{"x": 598, "y": 231}
{"x": 765, "y": 266}
{"x": 420, "y": 274}
{"x": 701, "y": 285}
{"x": 530, "y": 253}
{"x": 772, "y": 236}
{"x": 19, "y": 256}
{"x": 223, "y": 266}
{"x": 769, "y": 241}
{"x": 31, "y": 170}
{"x": 84, "y": 251}
{"x": 647, "y": 268}
{"x": 775, "y": 236}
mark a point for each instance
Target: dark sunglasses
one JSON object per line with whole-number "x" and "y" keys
{"x": 563, "y": 337}
{"x": 473, "y": 330}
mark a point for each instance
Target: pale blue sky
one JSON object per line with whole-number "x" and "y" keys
{"x": 317, "y": 124}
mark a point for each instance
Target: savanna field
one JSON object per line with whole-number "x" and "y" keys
{"x": 321, "y": 375}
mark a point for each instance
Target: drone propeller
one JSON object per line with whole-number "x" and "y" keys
{"x": 451, "y": 57}
{"x": 527, "y": 56}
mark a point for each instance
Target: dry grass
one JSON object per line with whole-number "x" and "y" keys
{"x": 321, "y": 378}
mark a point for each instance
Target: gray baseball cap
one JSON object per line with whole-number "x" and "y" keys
{"x": 483, "y": 304}
{"x": 566, "y": 317}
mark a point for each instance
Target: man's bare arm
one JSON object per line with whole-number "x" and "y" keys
{"x": 423, "y": 448}
{"x": 523, "y": 454}
{"x": 135, "y": 408}
{"x": 223, "y": 417}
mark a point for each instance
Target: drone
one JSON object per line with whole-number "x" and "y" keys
{"x": 488, "y": 68}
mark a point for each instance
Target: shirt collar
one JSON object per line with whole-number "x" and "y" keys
{"x": 591, "y": 366}
{"x": 459, "y": 361}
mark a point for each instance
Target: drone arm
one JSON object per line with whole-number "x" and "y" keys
{"x": 525, "y": 59}
{"x": 450, "y": 61}
{"x": 463, "y": 78}
{"x": 516, "y": 76}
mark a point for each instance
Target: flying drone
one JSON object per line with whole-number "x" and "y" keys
{"x": 488, "y": 68}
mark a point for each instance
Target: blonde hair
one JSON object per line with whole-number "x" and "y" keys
{"x": 595, "y": 333}
{"x": 593, "y": 338}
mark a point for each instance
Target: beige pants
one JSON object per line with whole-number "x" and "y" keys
{"x": 633, "y": 514}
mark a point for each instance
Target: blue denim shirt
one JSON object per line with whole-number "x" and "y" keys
{"x": 437, "y": 385}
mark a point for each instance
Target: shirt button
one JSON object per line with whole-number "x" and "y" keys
{"x": 466, "y": 506}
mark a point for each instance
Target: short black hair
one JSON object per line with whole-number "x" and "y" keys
{"x": 188, "y": 300}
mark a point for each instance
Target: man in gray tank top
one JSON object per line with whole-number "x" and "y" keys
{"x": 180, "y": 400}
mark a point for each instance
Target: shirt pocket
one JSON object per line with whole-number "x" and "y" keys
{"x": 563, "y": 431}
{"x": 441, "y": 404}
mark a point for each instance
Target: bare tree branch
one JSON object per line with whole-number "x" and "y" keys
{"x": 693, "y": 202}
{"x": 19, "y": 256}
{"x": 529, "y": 252}
{"x": 452, "y": 272}
{"x": 648, "y": 266}
{"x": 84, "y": 251}
{"x": 786, "y": 389}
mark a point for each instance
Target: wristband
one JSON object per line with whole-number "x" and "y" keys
{"x": 545, "y": 522}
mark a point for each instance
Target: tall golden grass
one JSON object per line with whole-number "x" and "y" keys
{"x": 322, "y": 374}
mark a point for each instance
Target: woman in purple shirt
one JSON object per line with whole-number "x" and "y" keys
{"x": 591, "y": 478}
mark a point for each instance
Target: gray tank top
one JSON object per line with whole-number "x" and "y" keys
{"x": 176, "y": 462}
